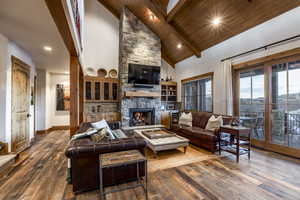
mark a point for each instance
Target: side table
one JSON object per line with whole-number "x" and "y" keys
{"x": 123, "y": 158}
{"x": 235, "y": 142}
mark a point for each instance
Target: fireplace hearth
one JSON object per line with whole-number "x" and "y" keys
{"x": 141, "y": 116}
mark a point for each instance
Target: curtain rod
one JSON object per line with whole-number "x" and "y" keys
{"x": 260, "y": 48}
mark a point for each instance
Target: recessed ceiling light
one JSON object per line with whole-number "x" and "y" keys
{"x": 47, "y": 48}
{"x": 179, "y": 46}
{"x": 216, "y": 21}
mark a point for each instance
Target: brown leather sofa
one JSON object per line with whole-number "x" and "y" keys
{"x": 84, "y": 156}
{"x": 197, "y": 134}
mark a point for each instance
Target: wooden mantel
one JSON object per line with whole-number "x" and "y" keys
{"x": 140, "y": 93}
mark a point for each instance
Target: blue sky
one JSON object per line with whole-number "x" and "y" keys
{"x": 258, "y": 84}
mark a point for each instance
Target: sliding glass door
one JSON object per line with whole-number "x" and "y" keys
{"x": 286, "y": 104}
{"x": 268, "y": 101}
{"x": 252, "y": 101}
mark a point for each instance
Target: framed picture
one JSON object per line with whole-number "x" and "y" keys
{"x": 62, "y": 97}
{"x": 77, "y": 17}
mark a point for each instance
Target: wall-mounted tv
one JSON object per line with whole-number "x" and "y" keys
{"x": 143, "y": 74}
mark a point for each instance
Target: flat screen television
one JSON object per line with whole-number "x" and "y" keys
{"x": 143, "y": 74}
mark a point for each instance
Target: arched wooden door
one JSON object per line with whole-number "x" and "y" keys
{"x": 20, "y": 105}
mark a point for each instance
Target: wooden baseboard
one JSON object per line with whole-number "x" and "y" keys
{"x": 41, "y": 132}
{"x": 58, "y": 128}
{"x": 53, "y": 128}
{"x": 32, "y": 141}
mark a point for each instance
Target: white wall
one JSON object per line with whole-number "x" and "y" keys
{"x": 279, "y": 28}
{"x": 101, "y": 40}
{"x": 9, "y": 49}
{"x": 46, "y": 100}
{"x": 41, "y": 100}
{"x": 57, "y": 118}
{"x": 167, "y": 71}
{"x": 3, "y": 65}
{"x": 101, "y": 37}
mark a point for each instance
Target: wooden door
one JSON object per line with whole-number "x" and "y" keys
{"x": 20, "y": 105}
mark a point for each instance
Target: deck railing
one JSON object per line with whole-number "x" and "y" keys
{"x": 285, "y": 126}
{"x": 292, "y": 124}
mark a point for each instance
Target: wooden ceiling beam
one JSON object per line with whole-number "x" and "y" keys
{"x": 178, "y": 34}
{"x": 183, "y": 37}
{"x": 158, "y": 5}
{"x": 178, "y": 7}
{"x": 57, "y": 12}
{"x": 167, "y": 58}
{"x": 110, "y": 8}
{"x": 186, "y": 41}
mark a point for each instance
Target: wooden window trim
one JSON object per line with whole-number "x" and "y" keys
{"x": 266, "y": 63}
{"x": 271, "y": 59}
{"x": 198, "y": 77}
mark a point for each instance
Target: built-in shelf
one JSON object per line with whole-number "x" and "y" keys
{"x": 101, "y": 90}
{"x": 169, "y": 92}
{"x": 101, "y": 98}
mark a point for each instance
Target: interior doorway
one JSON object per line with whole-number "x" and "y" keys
{"x": 20, "y": 99}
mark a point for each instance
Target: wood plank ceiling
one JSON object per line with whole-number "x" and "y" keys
{"x": 190, "y": 22}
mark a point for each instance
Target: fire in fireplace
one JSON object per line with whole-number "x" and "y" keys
{"x": 141, "y": 116}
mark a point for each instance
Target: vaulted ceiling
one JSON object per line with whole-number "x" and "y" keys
{"x": 189, "y": 23}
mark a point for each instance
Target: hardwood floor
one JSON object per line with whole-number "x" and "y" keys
{"x": 266, "y": 176}
{"x": 43, "y": 174}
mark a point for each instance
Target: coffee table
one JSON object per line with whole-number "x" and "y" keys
{"x": 173, "y": 141}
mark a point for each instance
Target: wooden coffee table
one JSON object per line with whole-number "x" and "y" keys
{"x": 156, "y": 144}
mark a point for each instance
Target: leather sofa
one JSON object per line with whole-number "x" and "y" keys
{"x": 84, "y": 157}
{"x": 197, "y": 134}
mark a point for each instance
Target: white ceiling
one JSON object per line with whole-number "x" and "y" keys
{"x": 29, "y": 24}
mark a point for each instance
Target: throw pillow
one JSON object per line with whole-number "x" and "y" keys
{"x": 214, "y": 123}
{"x": 186, "y": 119}
{"x": 103, "y": 124}
{"x": 87, "y": 133}
{"x": 99, "y": 136}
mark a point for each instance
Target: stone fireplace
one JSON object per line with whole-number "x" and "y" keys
{"x": 141, "y": 116}
{"x": 138, "y": 45}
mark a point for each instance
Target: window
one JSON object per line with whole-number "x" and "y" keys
{"x": 197, "y": 95}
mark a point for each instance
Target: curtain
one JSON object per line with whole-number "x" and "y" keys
{"x": 223, "y": 96}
